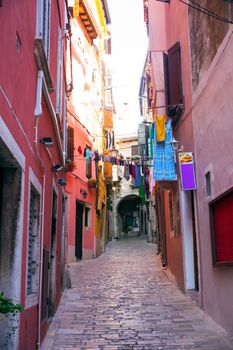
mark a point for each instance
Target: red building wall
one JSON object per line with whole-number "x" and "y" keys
{"x": 18, "y": 87}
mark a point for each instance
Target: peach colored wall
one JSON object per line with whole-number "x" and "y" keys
{"x": 213, "y": 122}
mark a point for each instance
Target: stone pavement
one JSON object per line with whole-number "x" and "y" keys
{"x": 123, "y": 300}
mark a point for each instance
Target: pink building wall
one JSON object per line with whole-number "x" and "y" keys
{"x": 168, "y": 24}
{"x": 77, "y": 181}
{"x": 213, "y": 123}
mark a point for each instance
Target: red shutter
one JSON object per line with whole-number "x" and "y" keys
{"x": 70, "y": 143}
{"x": 166, "y": 80}
{"x": 175, "y": 79}
{"x": 223, "y": 228}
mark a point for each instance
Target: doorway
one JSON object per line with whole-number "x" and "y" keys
{"x": 52, "y": 277}
{"x": 79, "y": 231}
{"x": 190, "y": 241}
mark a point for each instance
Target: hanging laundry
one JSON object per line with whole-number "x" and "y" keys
{"x": 151, "y": 138}
{"x": 146, "y": 180}
{"x": 160, "y": 127}
{"x": 120, "y": 171}
{"x": 164, "y": 167}
{"x": 142, "y": 194}
{"x": 114, "y": 173}
{"x": 137, "y": 181}
{"x": 133, "y": 171}
{"x": 97, "y": 158}
{"x": 80, "y": 151}
{"x": 126, "y": 171}
{"x": 88, "y": 162}
{"x": 130, "y": 168}
{"x": 113, "y": 138}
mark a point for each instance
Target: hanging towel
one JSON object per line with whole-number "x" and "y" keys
{"x": 160, "y": 127}
{"x": 164, "y": 167}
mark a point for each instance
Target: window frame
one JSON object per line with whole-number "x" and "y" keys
{"x": 43, "y": 24}
{"x": 59, "y": 74}
{"x": 32, "y": 299}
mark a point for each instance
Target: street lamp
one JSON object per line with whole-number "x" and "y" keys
{"x": 114, "y": 152}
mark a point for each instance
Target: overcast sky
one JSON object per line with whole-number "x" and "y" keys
{"x": 129, "y": 46}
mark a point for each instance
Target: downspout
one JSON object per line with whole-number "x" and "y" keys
{"x": 38, "y": 113}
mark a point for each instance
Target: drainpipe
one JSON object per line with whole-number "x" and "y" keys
{"x": 38, "y": 112}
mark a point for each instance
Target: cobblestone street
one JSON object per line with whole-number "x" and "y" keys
{"x": 124, "y": 300}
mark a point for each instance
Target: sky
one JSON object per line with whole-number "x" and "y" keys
{"x": 129, "y": 48}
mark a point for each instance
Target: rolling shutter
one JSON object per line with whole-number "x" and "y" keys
{"x": 222, "y": 212}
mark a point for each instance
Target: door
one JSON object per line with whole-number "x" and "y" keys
{"x": 79, "y": 231}
{"x": 195, "y": 256}
{"x": 53, "y": 248}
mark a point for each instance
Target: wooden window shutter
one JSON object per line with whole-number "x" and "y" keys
{"x": 166, "y": 80}
{"x": 70, "y": 143}
{"x": 174, "y": 73}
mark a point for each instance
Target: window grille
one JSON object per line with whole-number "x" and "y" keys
{"x": 33, "y": 241}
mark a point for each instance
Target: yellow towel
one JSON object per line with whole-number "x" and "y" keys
{"x": 160, "y": 127}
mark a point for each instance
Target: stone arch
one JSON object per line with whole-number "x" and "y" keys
{"x": 127, "y": 209}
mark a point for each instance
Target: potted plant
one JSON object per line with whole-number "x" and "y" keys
{"x": 70, "y": 165}
{"x": 7, "y": 306}
{"x": 91, "y": 183}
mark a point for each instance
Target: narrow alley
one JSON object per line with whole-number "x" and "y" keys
{"x": 124, "y": 300}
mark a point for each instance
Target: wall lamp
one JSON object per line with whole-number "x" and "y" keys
{"x": 62, "y": 181}
{"x": 175, "y": 145}
{"x": 47, "y": 141}
{"x": 83, "y": 192}
{"x": 114, "y": 152}
{"x": 56, "y": 168}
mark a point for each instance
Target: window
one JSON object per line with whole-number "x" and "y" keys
{"x": 87, "y": 217}
{"x": 70, "y": 143}
{"x": 221, "y": 221}
{"x": 33, "y": 242}
{"x": 59, "y": 74}
{"x": 208, "y": 184}
{"x": 43, "y": 24}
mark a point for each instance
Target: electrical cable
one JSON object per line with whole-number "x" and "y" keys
{"x": 204, "y": 10}
{"x": 209, "y": 12}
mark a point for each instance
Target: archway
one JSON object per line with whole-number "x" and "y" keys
{"x": 128, "y": 216}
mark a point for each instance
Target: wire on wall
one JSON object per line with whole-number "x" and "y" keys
{"x": 204, "y": 10}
